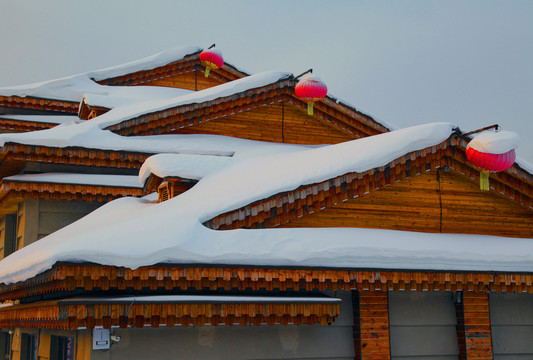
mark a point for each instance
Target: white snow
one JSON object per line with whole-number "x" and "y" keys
{"x": 130, "y": 181}
{"x": 50, "y": 119}
{"x": 192, "y": 167}
{"x": 148, "y": 63}
{"x": 495, "y": 142}
{"x": 90, "y": 134}
{"x": 135, "y": 232}
{"x": 200, "y": 299}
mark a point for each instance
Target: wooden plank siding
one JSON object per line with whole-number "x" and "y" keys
{"x": 279, "y": 122}
{"x": 371, "y": 325}
{"x": 432, "y": 190}
{"x": 186, "y": 73}
{"x": 176, "y": 119}
{"x": 436, "y": 201}
{"x": 473, "y": 326}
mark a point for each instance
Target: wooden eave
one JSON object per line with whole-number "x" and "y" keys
{"x": 42, "y": 104}
{"x": 515, "y": 184}
{"x": 67, "y": 278}
{"x": 72, "y": 315}
{"x": 170, "y": 120}
{"x": 17, "y": 126}
{"x": 13, "y": 192}
{"x": 14, "y": 155}
{"x": 189, "y": 64}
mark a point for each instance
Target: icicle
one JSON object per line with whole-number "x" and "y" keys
{"x": 484, "y": 180}
{"x": 310, "y": 108}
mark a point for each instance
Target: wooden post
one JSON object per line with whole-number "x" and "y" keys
{"x": 83, "y": 344}
{"x": 16, "y": 344}
{"x": 371, "y": 325}
{"x": 43, "y": 350}
{"x": 473, "y": 326}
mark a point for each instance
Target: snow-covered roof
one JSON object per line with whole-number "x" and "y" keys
{"x": 116, "y": 233}
{"x": 78, "y": 179}
{"x": 72, "y": 88}
{"x": 151, "y": 62}
{"x": 90, "y": 134}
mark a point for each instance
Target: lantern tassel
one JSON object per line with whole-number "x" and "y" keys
{"x": 207, "y": 68}
{"x": 310, "y": 108}
{"x": 484, "y": 180}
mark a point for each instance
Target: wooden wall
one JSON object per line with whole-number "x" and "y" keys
{"x": 189, "y": 81}
{"x": 416, "y": 204}
{"x": 276, "y": 123}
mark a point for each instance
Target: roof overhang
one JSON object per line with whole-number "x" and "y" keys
{"x": 12, "y": 192}
{"x": 88, "y": 313}
{"x": 67, "y": 278}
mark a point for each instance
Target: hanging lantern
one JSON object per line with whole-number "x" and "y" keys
{"x": 211, "y": 59}
{"x": 311, "y": 89}
{"x": 492, "y": 151}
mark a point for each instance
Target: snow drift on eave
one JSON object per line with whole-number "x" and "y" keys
{"x": 137, "y": 232}
{"x": 90, "y": 134}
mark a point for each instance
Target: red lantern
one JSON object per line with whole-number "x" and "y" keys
{"x": 492, "y": 151}
{"x": 310, "y": 89}
{"x": 211, "y": 59}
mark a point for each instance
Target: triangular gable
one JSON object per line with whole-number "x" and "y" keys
{"x": 407, "y": 194}
{"x": 186, "y": 73}
{"x": 269, "y": 113}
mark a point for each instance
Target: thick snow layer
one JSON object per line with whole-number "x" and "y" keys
{"x": 148, "y": 63}
{"x": 81, "y": 179}
{"x": 193, "y": 167}
{"x": 50, "y": 119}
{"x": 135, "y": 232}
{"x": 72, "y": 88}
{"x": 495, "y": 142}
{"x": 89, "y": 134}
{"x": 200, "y": 299}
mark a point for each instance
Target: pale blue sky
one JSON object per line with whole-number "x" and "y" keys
{"x": 408, "y": 62}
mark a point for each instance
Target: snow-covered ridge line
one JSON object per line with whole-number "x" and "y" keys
{"x": 148, "y": 63}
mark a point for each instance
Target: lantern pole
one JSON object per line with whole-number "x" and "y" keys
{"x": 302, "y": 74}
{"x": 495, "y": 126}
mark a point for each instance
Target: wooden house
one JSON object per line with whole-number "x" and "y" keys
{"x": 256, "y": 231}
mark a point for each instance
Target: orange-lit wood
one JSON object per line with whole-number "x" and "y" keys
{"x": 371, "y": 327}
{"x": 83, "y": 344}
{"x": 56, "y": 315}
{"x": 39, "y": 104}
{"x": 14, "y": 192}
{"x": 473, "y": 326}
{"x": 281, "y": 122}
{"x": 43, "y": 350}
{"x": 62, "y": 278}
{"x": 179, "y": 119}
{"x": 436, "y": 201}
{"x": 431, "y": 190}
